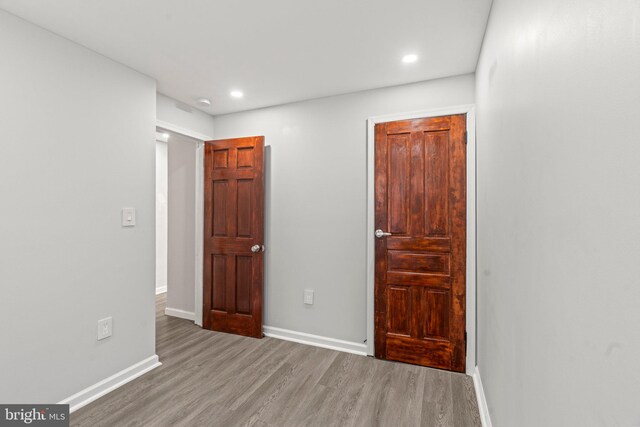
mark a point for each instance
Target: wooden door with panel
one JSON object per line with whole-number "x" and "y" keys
{"x": 420, "y": 250}
{"x": 233, "y": 236}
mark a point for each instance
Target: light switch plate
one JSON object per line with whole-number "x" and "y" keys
{"x": 308, "y": 296}
{"x": 128, "y": 217}
{"x": 105, "y": 328}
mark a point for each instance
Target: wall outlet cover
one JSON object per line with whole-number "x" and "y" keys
{"x": 308, "y": 296}
{"x": 105, "y": 328}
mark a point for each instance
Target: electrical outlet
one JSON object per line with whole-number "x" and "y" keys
{"x": 308, "y": 296}
{"x": 105, "y": 328}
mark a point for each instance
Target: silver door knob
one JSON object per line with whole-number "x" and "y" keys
{"x": 379, "y": 233}
{"x": 257, "y": 248}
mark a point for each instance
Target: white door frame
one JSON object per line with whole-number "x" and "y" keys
{"x": 199, "y": 219}
{"x": 469, "y": 110}
{"x": 161, "y": 139}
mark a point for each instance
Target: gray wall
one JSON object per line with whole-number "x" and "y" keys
{"x": 181, "y": 223}
{"x": 78, "y": 135}
{"x": 558, "y": 96}
{"x": 176, "y": 113}
{"x": 316, "y": 199}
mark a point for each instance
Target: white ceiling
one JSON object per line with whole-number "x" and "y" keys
{"x": 275, "y": 51}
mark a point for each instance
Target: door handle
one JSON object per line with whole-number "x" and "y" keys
{"x": 257, "y": 248}
{"x": 380, "y": 234}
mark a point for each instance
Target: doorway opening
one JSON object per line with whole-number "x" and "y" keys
{"x": 179, "y": 220}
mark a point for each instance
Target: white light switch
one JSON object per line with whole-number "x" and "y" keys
{"x": 128, "y": 217}
{"x": 308, "y": 296}
{"x": 105, "y": 328}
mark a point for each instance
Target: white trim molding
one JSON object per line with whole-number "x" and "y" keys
{"x": 485, "y": 419}
{"x": 182, "y": 314}
{"x": 315, "y": 340}
{"x": 199, "y": 231}
{"x": 161, "y": 290}
{"x": 469, "y": 110}
{"x": 99, "y": 389}
{"x": 162, "y": 137}
{"x": 182, "y": 131}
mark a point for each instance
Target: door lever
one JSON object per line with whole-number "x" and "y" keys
{"x": 380, "y": 234}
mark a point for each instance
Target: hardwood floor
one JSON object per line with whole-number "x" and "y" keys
{"x": 216, "y": 379}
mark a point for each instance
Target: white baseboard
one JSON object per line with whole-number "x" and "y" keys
{"x": 99, "y": 389}
{"x": 482, "y": 400}
{"x": 316, "y": 340}
{"x": 189, "y": 315}
{"x": 161, "y": 290}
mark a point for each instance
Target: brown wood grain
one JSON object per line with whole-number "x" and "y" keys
{"x": 233, "y": 223}
{"x": 420, "y": 197}
{"x": 381, "y": 217}
{"x": 418, "y": 262}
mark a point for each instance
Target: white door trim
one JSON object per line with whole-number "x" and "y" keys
{"x": 182, "y": 131}
{"x": 469, "y": 110}
{"x": 199, "y": 230}
{"x": 199, "y": 219}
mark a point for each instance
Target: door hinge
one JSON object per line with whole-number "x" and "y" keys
{"x": 465, "y": 339}
{"x": 465, "y": 137}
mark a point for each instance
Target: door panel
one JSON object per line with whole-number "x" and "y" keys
{"x": 218, "y": 282}
{"x": 245, "y": 157}
{"x": 399, "y": 308}
{"x": 234, "y": 223}
{"x": 436, "y": 305}
{"x": 420, "y": 263}
{"x": 244, "y": 281}
{"x": 245, "y": 191}
{"x": 398, "y": 170}
{"x": 420, "y": 198}
{"x": 220, "y": 190}
{"x": 436, "y": 145}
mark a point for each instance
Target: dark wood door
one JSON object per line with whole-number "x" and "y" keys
{"x": 233, "y": 235}
{"x": 420, "y": 198}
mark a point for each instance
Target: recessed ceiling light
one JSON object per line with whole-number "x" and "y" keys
{"x": 236, "y": 94}
{"x": 408, "y": 59}
{"x": 204, "y": 102}
{"x": 166, "y": 135}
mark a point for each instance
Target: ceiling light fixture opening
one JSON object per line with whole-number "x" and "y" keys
{"x": 236, "y": 94}
{"x": 408, "y": 59}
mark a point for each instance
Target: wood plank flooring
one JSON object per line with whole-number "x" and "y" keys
{"x": 216, "y": 379}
